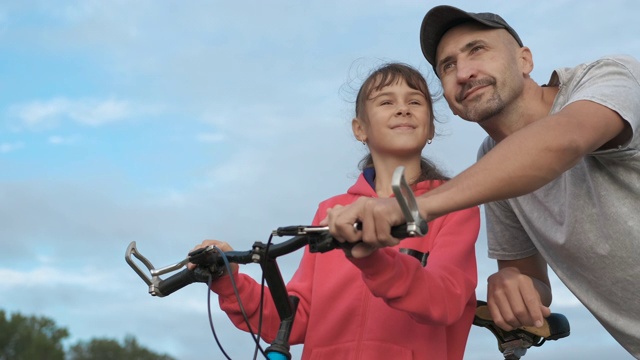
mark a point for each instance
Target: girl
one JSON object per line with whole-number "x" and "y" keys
{"x": 385, "y": 304}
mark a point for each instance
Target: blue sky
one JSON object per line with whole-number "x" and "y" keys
{"x": 167, "y": 123}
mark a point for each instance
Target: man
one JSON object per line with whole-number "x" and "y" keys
{"x": 559, "y": 174}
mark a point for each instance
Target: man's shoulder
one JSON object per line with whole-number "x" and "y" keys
{"x": 623, "y": 59}
{"x": 603, "y": 64}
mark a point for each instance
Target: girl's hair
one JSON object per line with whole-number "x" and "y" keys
{"x": 385, "y": 75}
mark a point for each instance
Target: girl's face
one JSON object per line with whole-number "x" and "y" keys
{"x": 396, "y": 121}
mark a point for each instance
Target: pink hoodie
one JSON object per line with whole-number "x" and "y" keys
{"x": 384, "y": 306}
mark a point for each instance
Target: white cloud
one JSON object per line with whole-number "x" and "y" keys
{"x": 9, "y": 147}
{"x": 48, "y": 277}
{"x": 61, "y": 140}
{"x": 37, "y": 115}
{"x": 96, "y": 113}
{"x": 210, "y": 137}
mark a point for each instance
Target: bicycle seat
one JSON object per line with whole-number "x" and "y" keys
{"x": 555, "y": 327}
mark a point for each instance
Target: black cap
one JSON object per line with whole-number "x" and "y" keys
{"x": 442, "y": 18}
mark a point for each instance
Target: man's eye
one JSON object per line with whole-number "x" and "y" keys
{"x": 475, "y": 49}
{"x": 448, "y": 66}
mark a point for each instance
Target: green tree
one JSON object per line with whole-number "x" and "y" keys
{"x": 109, "y": 349}
{"x": 26, "y": 338}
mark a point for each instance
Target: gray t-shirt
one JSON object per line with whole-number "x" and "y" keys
{"x": 586, "y": 223}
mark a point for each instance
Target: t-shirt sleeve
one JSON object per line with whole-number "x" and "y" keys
{"x": 613, "y": 82}
{"x": 506, "y": 238}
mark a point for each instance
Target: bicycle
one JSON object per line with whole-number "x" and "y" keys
{"x": 212, "y": 263}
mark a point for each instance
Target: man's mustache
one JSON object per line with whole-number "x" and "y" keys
{"x": 474, "y": 83}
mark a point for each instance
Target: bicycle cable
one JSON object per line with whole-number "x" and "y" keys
{"x": 213, "y": 330}
{"x": 240, "y": 305}
{"x": 262, "y": 286}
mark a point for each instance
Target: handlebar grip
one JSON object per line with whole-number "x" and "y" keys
{"x": 400, "y": 231}
{"x": 555, "y": 326}
{"x": 176, "y": 282}
{"x": 327, "y": 242}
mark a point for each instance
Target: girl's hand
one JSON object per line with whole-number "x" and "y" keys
{"x": 223, "y": 246}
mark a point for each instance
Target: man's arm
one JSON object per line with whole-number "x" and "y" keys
{"x": 519, "y": 293}
{"x": 530, "y": 158}
{"x": 521, "y": 163}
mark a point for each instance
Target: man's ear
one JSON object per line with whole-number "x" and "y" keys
{"x": 525, "y": 59}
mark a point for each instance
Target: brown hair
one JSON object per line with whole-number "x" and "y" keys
{"x": 386, "y": 75}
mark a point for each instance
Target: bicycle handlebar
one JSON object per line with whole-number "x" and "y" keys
{"x": 210, "y": 262}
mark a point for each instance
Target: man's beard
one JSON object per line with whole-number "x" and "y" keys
{"x": 479, "y": 110}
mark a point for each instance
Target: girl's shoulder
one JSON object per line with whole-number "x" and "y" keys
{"x": 425, "y": 186}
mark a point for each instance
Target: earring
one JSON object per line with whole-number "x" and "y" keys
{"x": 429, "y": 141}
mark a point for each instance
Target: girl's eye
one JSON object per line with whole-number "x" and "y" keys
{"x": 385, "y": 102}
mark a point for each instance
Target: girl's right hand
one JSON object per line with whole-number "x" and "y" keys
{"x": 223, "y": 246}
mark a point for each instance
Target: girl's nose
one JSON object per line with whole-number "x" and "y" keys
{"x": 403, "y": 110}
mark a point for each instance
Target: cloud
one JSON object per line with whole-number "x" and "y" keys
{"x": 62, "y": 140}
{"x": 48, "y": 277}
{"x": 39, "y": 115}
{"x": 10, "y": 147}
{"x": 210, "y": 137}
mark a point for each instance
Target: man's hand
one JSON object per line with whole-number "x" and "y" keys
{"x": 514, "y": 300}
{"x": 377, "y": 216}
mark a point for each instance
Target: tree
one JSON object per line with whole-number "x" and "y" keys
{"x": 25, "y": 338}
{"x": 109, "y": 349}
{"x": 30, "y": 337}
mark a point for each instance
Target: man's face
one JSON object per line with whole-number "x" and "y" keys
{"x": 479, "y": 70}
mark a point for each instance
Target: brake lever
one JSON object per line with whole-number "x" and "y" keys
{"x": 132, "y": 250}
{"x": 416, "y": 225}
{"x": 155, "y": 279}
